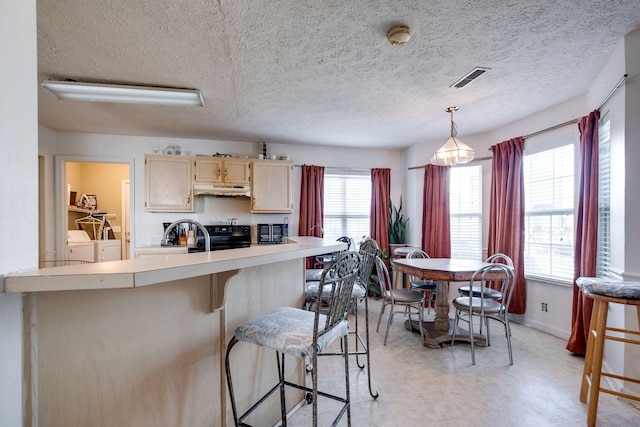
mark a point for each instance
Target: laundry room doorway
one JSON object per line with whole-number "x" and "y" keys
{"x": 92, "y": 196}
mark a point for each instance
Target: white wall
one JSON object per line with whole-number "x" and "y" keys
{"x": 148, "y": 226}
{"x": 19, "y": 189}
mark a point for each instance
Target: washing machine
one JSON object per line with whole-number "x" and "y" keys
{"x": 80, "y": 247}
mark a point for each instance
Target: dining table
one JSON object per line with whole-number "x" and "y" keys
{"x": 442, "y": 271}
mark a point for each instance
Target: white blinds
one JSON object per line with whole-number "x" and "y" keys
{"x": 347, "y": 203}
{"x": 549, "y": 212}
{"x": 465, "y": 205}
{"x": 603, "y": 261}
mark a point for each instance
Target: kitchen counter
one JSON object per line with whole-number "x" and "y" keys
{"x": 142, "y": 342}
{"x": 159, "y": 269}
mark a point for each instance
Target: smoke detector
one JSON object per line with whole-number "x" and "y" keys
{"x": 399, "y": 35}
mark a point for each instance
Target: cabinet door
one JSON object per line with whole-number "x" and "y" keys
{"x": 271, "y": 186}
{"x": 167, "y": 184}
{"x": 237, "y": 171}
{"x": 109, "y": 252}
{"x": 207, "y": 171}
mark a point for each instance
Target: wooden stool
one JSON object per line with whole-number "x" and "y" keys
{"x": 595, "y": 348}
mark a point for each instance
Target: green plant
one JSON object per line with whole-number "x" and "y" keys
{"x": 397, "y": 223}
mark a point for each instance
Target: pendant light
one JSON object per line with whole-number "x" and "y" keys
{"x": 453, "y": 151}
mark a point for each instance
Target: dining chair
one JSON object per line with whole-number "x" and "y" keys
{"x": 490, "y": 292}
{"x": 407, "y": 298}
{"x": 302, "y": 333}
{"x": 423, "y": 285}
{"x": 485, "y": 307}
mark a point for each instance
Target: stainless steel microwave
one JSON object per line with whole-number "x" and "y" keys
{"x": 272, "y": 233}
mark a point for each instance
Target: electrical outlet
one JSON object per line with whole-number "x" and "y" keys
{"x": 544, "y": 307}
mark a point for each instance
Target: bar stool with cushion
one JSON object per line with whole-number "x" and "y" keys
{"x": 605, "y": 292}
{"x": 368, "y": 251}
{"x": 303, "y": 333}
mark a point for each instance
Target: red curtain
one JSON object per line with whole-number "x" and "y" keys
{"x": 379, "y": 215}
{"x": 506, "y": 213}
{"x": 586, "y": 243}
{"x": 436, "y": 229}
{"x": 311, "y": 203}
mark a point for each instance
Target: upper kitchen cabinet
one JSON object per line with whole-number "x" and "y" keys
{"x": 271, "y": 186}
{"x": 167, "y": 184}
{"x": 221, "y": 170}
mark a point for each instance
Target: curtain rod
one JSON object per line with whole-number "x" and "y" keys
{"x": 558, "y": 126}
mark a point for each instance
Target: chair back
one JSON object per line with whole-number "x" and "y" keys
{"x": 339, "y": 276}
{"x": 486, "y": 275}
{"x": 416, "y": 253}
{"x": 348, "y": 240}
{"x": 368, "y": 251}
{"x": 383, "y": 276}
{"x": 500, "y": 258}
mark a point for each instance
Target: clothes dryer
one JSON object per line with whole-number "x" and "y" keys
{"x": 80, "y": 247}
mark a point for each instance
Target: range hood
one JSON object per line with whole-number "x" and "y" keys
{"x": 221, "y": 190}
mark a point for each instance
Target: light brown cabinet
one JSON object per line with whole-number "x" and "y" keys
{"x": 169, "y": 181}
{"x": 221, "y": 171}
{"x": 167, "y": 184}
{"x": 271, "y": 186}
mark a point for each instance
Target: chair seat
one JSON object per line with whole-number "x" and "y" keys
{"x": 488, "y": 292}
{"x": 289, "y": 330}
{"x": 424, "y": 285}
{"x": 312, "y": 290}
{"x": 403, "y": 296}
{"x": 489, "y": 306}
{"x": 313, "y": 274}
{"x": 610, "y": 287}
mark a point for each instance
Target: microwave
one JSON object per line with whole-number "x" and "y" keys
{"x": 272, "y": 233}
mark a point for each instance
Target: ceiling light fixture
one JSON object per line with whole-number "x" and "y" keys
{"x": 453, "y": 151}
{"x": 127, "y": 94}
{"x": 399, "y": 35}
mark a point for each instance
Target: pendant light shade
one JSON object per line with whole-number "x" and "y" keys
{"x": 453, "y": 151}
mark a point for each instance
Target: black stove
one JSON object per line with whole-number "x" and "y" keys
{"x": 221, "y": 237}
{"x": 224, "y": 237}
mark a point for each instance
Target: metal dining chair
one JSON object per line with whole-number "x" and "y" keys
{"x": 484, "y": 306}
{"x": 407, "y": 298}
{"x": 423, "y": 285}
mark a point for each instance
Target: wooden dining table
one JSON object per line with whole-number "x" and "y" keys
{"x": 442, "y": 271}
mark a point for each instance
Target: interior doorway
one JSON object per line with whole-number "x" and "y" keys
{"x": 82, "y": 182}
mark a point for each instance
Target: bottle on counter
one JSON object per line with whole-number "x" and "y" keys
{"x": 191, "y": 239}
{"x": 183, "y": 238}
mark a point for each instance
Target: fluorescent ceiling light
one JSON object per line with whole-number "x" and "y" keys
{"x": 95, "y": 92}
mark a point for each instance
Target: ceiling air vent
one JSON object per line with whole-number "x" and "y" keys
{"x": 469, "y": 77}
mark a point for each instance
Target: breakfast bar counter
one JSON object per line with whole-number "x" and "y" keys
{"x": 142, "y": 342}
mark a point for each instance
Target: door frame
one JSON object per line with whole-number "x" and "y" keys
{"x": 61, "y": 202}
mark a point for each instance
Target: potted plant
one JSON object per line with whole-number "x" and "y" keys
{"x": 397, "y": 226}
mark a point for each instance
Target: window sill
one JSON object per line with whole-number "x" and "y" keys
{"x": 549, "y": 280}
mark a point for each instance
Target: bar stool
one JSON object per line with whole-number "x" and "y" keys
{"x": 368, "y": 251}
{"x": 303, "y": 333}
{"x": 605, "y": 292}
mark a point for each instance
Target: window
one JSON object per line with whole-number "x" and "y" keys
{"x": 465, "y": 205}
{"x": 549, "y": 212}
{"x": 347, "y": 203}
{"x": 603, "y": 259}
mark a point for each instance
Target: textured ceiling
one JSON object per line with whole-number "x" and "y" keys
{"x": 322, "y": 72}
